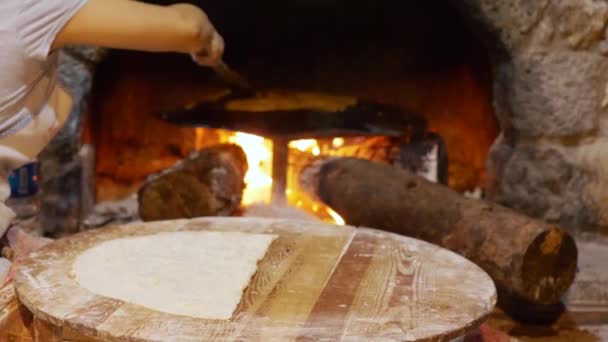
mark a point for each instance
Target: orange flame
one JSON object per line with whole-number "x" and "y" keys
{"x": 339, "y": 220}
{"x": 259, "y": 159}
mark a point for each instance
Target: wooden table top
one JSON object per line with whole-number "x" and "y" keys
{"x": 317, "y": 282}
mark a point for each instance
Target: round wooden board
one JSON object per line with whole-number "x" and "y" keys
{"x": 316, "y": 282}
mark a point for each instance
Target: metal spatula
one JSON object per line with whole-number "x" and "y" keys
{"x": 233, "y": 78}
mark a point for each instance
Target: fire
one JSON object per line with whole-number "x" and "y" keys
{"x": 337, "y": 142}
{"x": 339, "y": 220}
{"x": 306, "y": 145}
{"x": 259, "y": 159}
{"x": 259, "y": 176}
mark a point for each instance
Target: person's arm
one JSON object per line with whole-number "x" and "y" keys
{"x": 132, "y": 25}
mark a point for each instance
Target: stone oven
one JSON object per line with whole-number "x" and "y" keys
{"x": 514, "y": 88}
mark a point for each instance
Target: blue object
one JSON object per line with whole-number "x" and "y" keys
{"x": 24, "y": 181}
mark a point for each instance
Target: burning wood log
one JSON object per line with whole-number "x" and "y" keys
{"x": 527, "y": 258}
{"x": 207, "y": 182}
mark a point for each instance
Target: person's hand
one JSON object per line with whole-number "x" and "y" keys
{"x": 211, "y": 53}
{"x": 135, "y": 25}
{"x": 210, "y": 47}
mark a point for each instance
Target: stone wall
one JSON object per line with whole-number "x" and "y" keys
{"x": 551, "y": 98}
{"x": 61, "y": 167}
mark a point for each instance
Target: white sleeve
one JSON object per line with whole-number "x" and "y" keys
{"x": 39, "y": 22}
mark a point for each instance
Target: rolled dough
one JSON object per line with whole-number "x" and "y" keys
{"x": 271, "y": 101}
{"x": 197, "y": 274}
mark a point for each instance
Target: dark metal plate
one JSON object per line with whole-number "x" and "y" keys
{"x": 359, "y": 119}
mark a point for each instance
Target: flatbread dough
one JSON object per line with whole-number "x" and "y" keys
{"x": 197, "y": 274}
{"x": 273, "y": 101}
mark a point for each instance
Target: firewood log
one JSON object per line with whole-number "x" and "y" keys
{"x": 207, "y": 182}
{"x": 526, "y": 258}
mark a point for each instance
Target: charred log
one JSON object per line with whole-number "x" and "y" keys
{"x": 425, "y": 157}
{"x": 526, "y": 258}
{"x": 207, "y": 182}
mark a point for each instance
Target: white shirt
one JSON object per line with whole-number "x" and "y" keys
{"x": 29, "y": 93}
{"x": 28, "y": 69}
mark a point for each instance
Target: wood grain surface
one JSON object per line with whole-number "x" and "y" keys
{"x": 316, "y": 283}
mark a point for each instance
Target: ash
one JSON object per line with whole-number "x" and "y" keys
{"x": 112, "y": 212}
